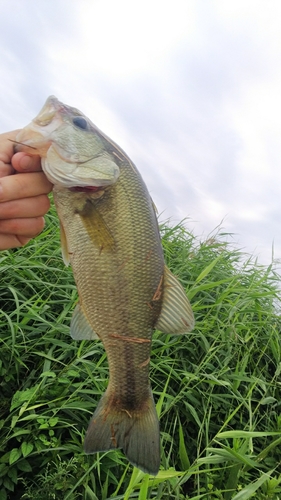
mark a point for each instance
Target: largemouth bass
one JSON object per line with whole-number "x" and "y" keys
{"x": 110, "y": 236}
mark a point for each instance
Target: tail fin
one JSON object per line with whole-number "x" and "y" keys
{"x": 136, "y": 432}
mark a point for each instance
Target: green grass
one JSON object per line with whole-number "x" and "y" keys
{"x": 218, "y": 389}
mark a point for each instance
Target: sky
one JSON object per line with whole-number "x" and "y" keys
{"x": 190, "y": 89}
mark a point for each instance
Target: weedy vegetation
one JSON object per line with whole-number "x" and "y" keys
{"x": 217, "y": 389}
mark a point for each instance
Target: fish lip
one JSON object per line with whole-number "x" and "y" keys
{"x": 86, "y": 189}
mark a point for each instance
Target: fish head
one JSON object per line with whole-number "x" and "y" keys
{"x": 74, "y": 152}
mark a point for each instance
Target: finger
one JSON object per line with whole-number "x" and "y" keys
{"x": 12, "y": 241}
{"x": 7, "y": 145}
{"x": 25, "y": 163}
{"x": 6, "y": 152}
{"x": 26, "y": 185}
{"x": 26, "y": 207}
{"x": 4, "y": 156}
{"x": 28, "y": 227}
{"x": 9, "y": 136}
{"x": 5, "y": 169}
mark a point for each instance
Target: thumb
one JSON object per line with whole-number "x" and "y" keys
{"x": 25, "y": 163}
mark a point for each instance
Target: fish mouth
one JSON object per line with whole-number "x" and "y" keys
{"x": 86, "y": 189}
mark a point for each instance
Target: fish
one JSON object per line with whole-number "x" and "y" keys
{"x": 110, "y": 236}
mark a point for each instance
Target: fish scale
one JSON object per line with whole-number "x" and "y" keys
{"x": 110, "y": 236}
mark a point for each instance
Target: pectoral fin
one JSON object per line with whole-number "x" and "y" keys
{"x": 176, "y": 315}
{"x": 96, "y": 227}
{"x": 64, "y": 247}
{"x": 154, "y": 207}
{"x": 80, "y": 328}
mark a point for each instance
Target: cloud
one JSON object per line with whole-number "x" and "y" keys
{"x": 190, "y": 90}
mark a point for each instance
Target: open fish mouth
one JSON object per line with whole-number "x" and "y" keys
{"x": 86, "y": 189}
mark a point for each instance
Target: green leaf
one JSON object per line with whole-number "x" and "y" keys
{"x": 14, "y": 421}
{"x": 182, "y": 450}
{"x": 5, "y": 458}
{"x": 22, "y": 396}
{"x": 8, "y": 484}
{"x": 252, "y": 487}
{"x": 26, "y": 448}
{"x": 267, "y": 401}
{"x": 73, "y": 373}
{"x": 245, "y": 434}
{"x": 3, "y": 494}
{"x": 12, "y": 473}
{"x": 143, "y": 494}
{"x": 48, "y": 374}
{"x": 15, "y": 454}
{"x": 3, "y": 469}
{"x": 24, "y": 466}
{"x": 207, "y": 270}
{"x": 53, "y": 421}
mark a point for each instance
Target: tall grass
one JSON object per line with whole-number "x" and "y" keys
{"x": 217, "y": 389}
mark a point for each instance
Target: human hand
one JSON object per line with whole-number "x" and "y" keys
{"x": 23, "y": 197}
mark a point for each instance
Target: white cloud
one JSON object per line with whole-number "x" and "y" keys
{"x": 190, "y": 90}
{"x": 123, "y": 39}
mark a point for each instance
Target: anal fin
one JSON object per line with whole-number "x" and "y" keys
{"x": 80, "y": 328}
{"x": 176, "y": 315}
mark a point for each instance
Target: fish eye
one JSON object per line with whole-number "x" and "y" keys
{"x": 80, "y": 122}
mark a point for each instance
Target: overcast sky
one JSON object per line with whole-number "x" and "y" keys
{"x": 190, "y": 89}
